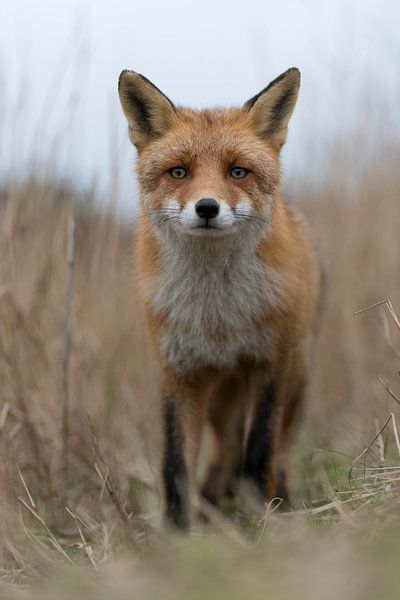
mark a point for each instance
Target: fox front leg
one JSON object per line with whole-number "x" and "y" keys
{"x": 175, "y": 478}
{"x": 183, "y": 416}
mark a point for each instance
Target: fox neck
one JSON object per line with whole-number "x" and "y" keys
{"x": 207, "y": 250}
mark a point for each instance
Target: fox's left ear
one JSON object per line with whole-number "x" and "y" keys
{"x": 269, "y": 111}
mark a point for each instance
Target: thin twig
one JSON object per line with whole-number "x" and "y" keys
{"x": 362, "y": 310}
{"x": 389, "y": 390}
{"x": 4, "y": 414}
{"x": 387, "y": 334}
{"x": 388, "y": 305}
{"x": 87, "y": 548}
{"x": 380, "y": 443}
{"x": 393, "y": 313}
{"x": 396, "y": 435}
{"x": 26, "y": 488}
{"x": 52, "y": 537}
{"x": 272, "y": 506}
{"x": 325, "y": 507}
{"x": 364, "y": 452}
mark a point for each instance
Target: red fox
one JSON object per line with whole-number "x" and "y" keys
{"x": 229, "y": 283}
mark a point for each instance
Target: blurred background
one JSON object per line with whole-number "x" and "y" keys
{"x": 60, "y": 62}
{"x": 64, "y": 153}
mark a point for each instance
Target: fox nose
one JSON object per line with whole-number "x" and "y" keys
{"x": 207, "y": 208}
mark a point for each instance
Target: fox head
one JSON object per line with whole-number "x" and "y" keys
{"x": 213, "y": 172}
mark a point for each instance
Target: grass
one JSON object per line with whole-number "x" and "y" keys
{"x": 85, "y": 524}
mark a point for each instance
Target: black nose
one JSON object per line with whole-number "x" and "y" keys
{"x": 207, "y": 208}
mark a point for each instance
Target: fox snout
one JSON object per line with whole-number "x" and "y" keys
{"x": 206, "y": 216}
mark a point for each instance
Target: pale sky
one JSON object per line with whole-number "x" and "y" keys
{"x": 60, "y": 61}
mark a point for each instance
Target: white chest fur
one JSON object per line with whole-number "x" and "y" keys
{"x": 213, "y": 293}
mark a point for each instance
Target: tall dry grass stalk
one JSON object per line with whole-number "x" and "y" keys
{"x": 67, "y": 339}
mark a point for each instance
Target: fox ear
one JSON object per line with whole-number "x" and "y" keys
{"x": 148, "y": 111}
{"x": 269, "y": 111}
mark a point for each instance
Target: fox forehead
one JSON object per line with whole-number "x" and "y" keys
{"x": 207, "y": 138}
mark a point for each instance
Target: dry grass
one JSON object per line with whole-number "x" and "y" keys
{"x": 99, "y": 510}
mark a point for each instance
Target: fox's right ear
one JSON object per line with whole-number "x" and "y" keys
{"x": 148, "y": 111}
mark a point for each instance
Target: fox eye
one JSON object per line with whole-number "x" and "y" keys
{"x": 238, "y": 172}
{"x": 178, "y": 172}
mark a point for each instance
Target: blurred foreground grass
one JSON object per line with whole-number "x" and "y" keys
{"x": 92, "y": 530}
{"x": 356, "y": 557}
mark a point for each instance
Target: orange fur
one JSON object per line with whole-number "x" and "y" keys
{"x": 230, "y": 306}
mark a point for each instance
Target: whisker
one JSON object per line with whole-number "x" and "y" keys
{"x": 250, "y": 216}
{"x": 163, "y": 211}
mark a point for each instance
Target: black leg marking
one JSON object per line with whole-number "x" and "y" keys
{"x": 174, "y": 472}
{"x": 260, "y": 440}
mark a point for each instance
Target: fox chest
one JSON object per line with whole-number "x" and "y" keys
{"x": 214, "y": 316}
